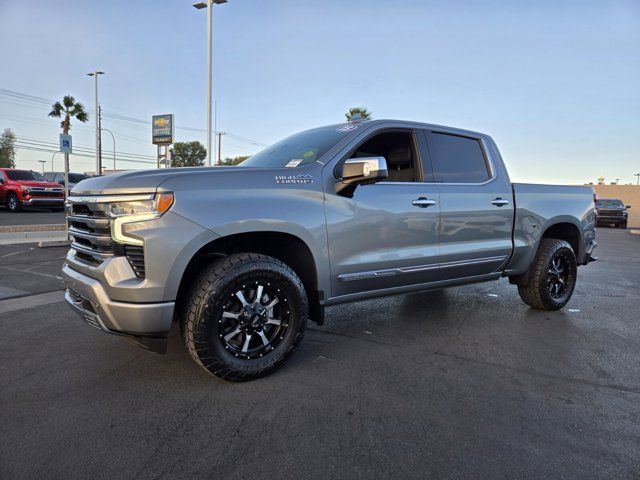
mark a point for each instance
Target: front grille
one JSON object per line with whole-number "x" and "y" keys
{"x": 610, "y": 213}
{"x": 92, "y": 242}
{"x": 43, "y": 193}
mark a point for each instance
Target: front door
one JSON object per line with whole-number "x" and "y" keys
{"x": 384, "y": 236}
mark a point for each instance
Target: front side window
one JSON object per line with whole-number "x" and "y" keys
{"x": 398, "y": 149}
{"x": 457, "y": 159}
{"x": 18, "y": 175}
{"x": 299, "y": 149}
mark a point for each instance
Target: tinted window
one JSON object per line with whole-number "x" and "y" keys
{"x": 23, "y": 175}
{"x": 299, "y": 149}
{"x": 457, "y": 159}
{"x": 49, "y": 176}
{"x": 76, "y": 177}
{"x": 609, "y": 203}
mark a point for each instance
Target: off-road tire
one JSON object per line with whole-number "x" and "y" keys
{"x": 537, "y": 292}
{"x": 202, "y": 315}
{"x": 13, "y": 203}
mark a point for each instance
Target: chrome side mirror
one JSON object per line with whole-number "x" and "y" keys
{"x": 364, "y": 170}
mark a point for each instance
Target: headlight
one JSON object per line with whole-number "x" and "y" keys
{"x": 137, "y": 208}
{"x": 25, "y": 188}
{"x": 123, "y": 213}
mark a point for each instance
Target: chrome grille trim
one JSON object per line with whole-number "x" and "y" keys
{"x": 91, "y": 231}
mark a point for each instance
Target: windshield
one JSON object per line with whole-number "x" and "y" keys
{"x": 23, "y": 175}
{"x": 609, "y": 203}
{"x": 77, "y": 177}
{"x": 299, "y": 149}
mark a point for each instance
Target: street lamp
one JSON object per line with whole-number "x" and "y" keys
{"x": 208, "y": 5}
{"x": 114, "y": 147}
{"x": 54, "y": 154}
{"x": 42, "y": 162}
{"x": 95, "y": 74}
{"x": 638, "y": 179}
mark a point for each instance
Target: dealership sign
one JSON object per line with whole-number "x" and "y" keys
{"x": 163, "y": 127}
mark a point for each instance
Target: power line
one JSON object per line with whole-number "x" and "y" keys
{"x": 114, "y": 116}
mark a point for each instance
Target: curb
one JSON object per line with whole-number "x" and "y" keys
{"x": 32, "y": 237}
{"x": 634, "y": 231}
{"x": 32, "y": 228}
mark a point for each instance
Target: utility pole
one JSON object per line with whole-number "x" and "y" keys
{"x": 617, "y": 181}
{"x": 96, "y": 108}
{"x": 208, "y": 4}
{"x": 100, "y": 139}
{"x": 638, "y": 179}
{"x": 219, "y": 162}
{"x": 42, "y": 162}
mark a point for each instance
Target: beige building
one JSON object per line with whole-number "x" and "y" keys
{"x": 629, "y": 194}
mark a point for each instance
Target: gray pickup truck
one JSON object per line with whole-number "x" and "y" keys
{"x": 243, "y": 256}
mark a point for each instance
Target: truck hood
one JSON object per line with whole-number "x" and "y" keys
{"x": 147, "y": 181}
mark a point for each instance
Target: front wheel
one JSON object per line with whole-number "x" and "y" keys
{"x": 551, "y": 277}
{"x": 13, "y": 204}
{"x": 245, "y": 317}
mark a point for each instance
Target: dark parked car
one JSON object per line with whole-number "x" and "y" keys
{"x": 58, "y": 177}
{"x": 611, "y": 211}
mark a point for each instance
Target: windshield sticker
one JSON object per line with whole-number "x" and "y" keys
{"x": 293, "y": 163}
{"x": 346, "y": 128}
{"x": 310, "y": 153}
{"x": 300, "y": 178}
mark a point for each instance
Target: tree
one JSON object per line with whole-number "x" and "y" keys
{"x": 188, "y": 154}
{"x": 235, "y": 160}
{"x": 364, "y": 114}
{"x": 66, "y": 110}
{"x": 7, "y": 149}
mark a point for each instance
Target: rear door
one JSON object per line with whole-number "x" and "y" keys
{"x": 476, "y": 205}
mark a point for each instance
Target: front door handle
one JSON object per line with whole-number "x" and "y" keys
{"x": 423, "y": 202}
{"x": 500, "y": 202}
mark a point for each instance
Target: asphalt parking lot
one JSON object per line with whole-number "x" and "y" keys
{"x": 32, "y": 216}
{"x": 463, "y": 383}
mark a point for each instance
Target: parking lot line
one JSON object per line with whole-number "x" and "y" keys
{"x": 21, "y": 303}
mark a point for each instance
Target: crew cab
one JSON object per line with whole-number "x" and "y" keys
{"x": 243, "y": 256}
{"x": 611, "y": 211}
{"x": 26, "y": 188}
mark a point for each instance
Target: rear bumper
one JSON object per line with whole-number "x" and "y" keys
{"x": 146, "y": 323}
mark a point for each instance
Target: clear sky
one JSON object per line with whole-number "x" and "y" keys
{"x": 556, "y": 83}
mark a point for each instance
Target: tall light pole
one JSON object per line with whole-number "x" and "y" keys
{"x": 95, "y": 74}
{"x": 54, "y": 154}
{"x": 208, "y": 4}
{"x": 638, "y": 179}
{"x": 114, "y": 147}
{"x": 42, "y": 162}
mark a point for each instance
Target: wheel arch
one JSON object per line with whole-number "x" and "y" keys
{"x": 284, "y": 246}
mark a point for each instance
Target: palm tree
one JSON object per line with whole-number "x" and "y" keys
{"x": 67, "y": 109}
{"x": 358, "y": 113}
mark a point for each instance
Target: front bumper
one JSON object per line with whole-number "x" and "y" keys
{"x": 589, "y": 252}
{"x": 41, "y": 202}
{"x": 146, "y": 323}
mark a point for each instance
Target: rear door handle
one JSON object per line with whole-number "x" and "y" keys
{"x": 500, "y": 202}
{"x": 423, "y": 202}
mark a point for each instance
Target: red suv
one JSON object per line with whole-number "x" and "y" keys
{"x": 25, "y": 188}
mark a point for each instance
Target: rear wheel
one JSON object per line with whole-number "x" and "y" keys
{"x": 551, "y": 277}
{"x": 246, "y": 316}
{"x": 13, "y": 204}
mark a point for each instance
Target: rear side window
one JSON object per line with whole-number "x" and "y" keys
{"x": 457, "y": 159}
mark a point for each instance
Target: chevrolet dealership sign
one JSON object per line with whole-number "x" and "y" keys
{"x": 163, "y": 127}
